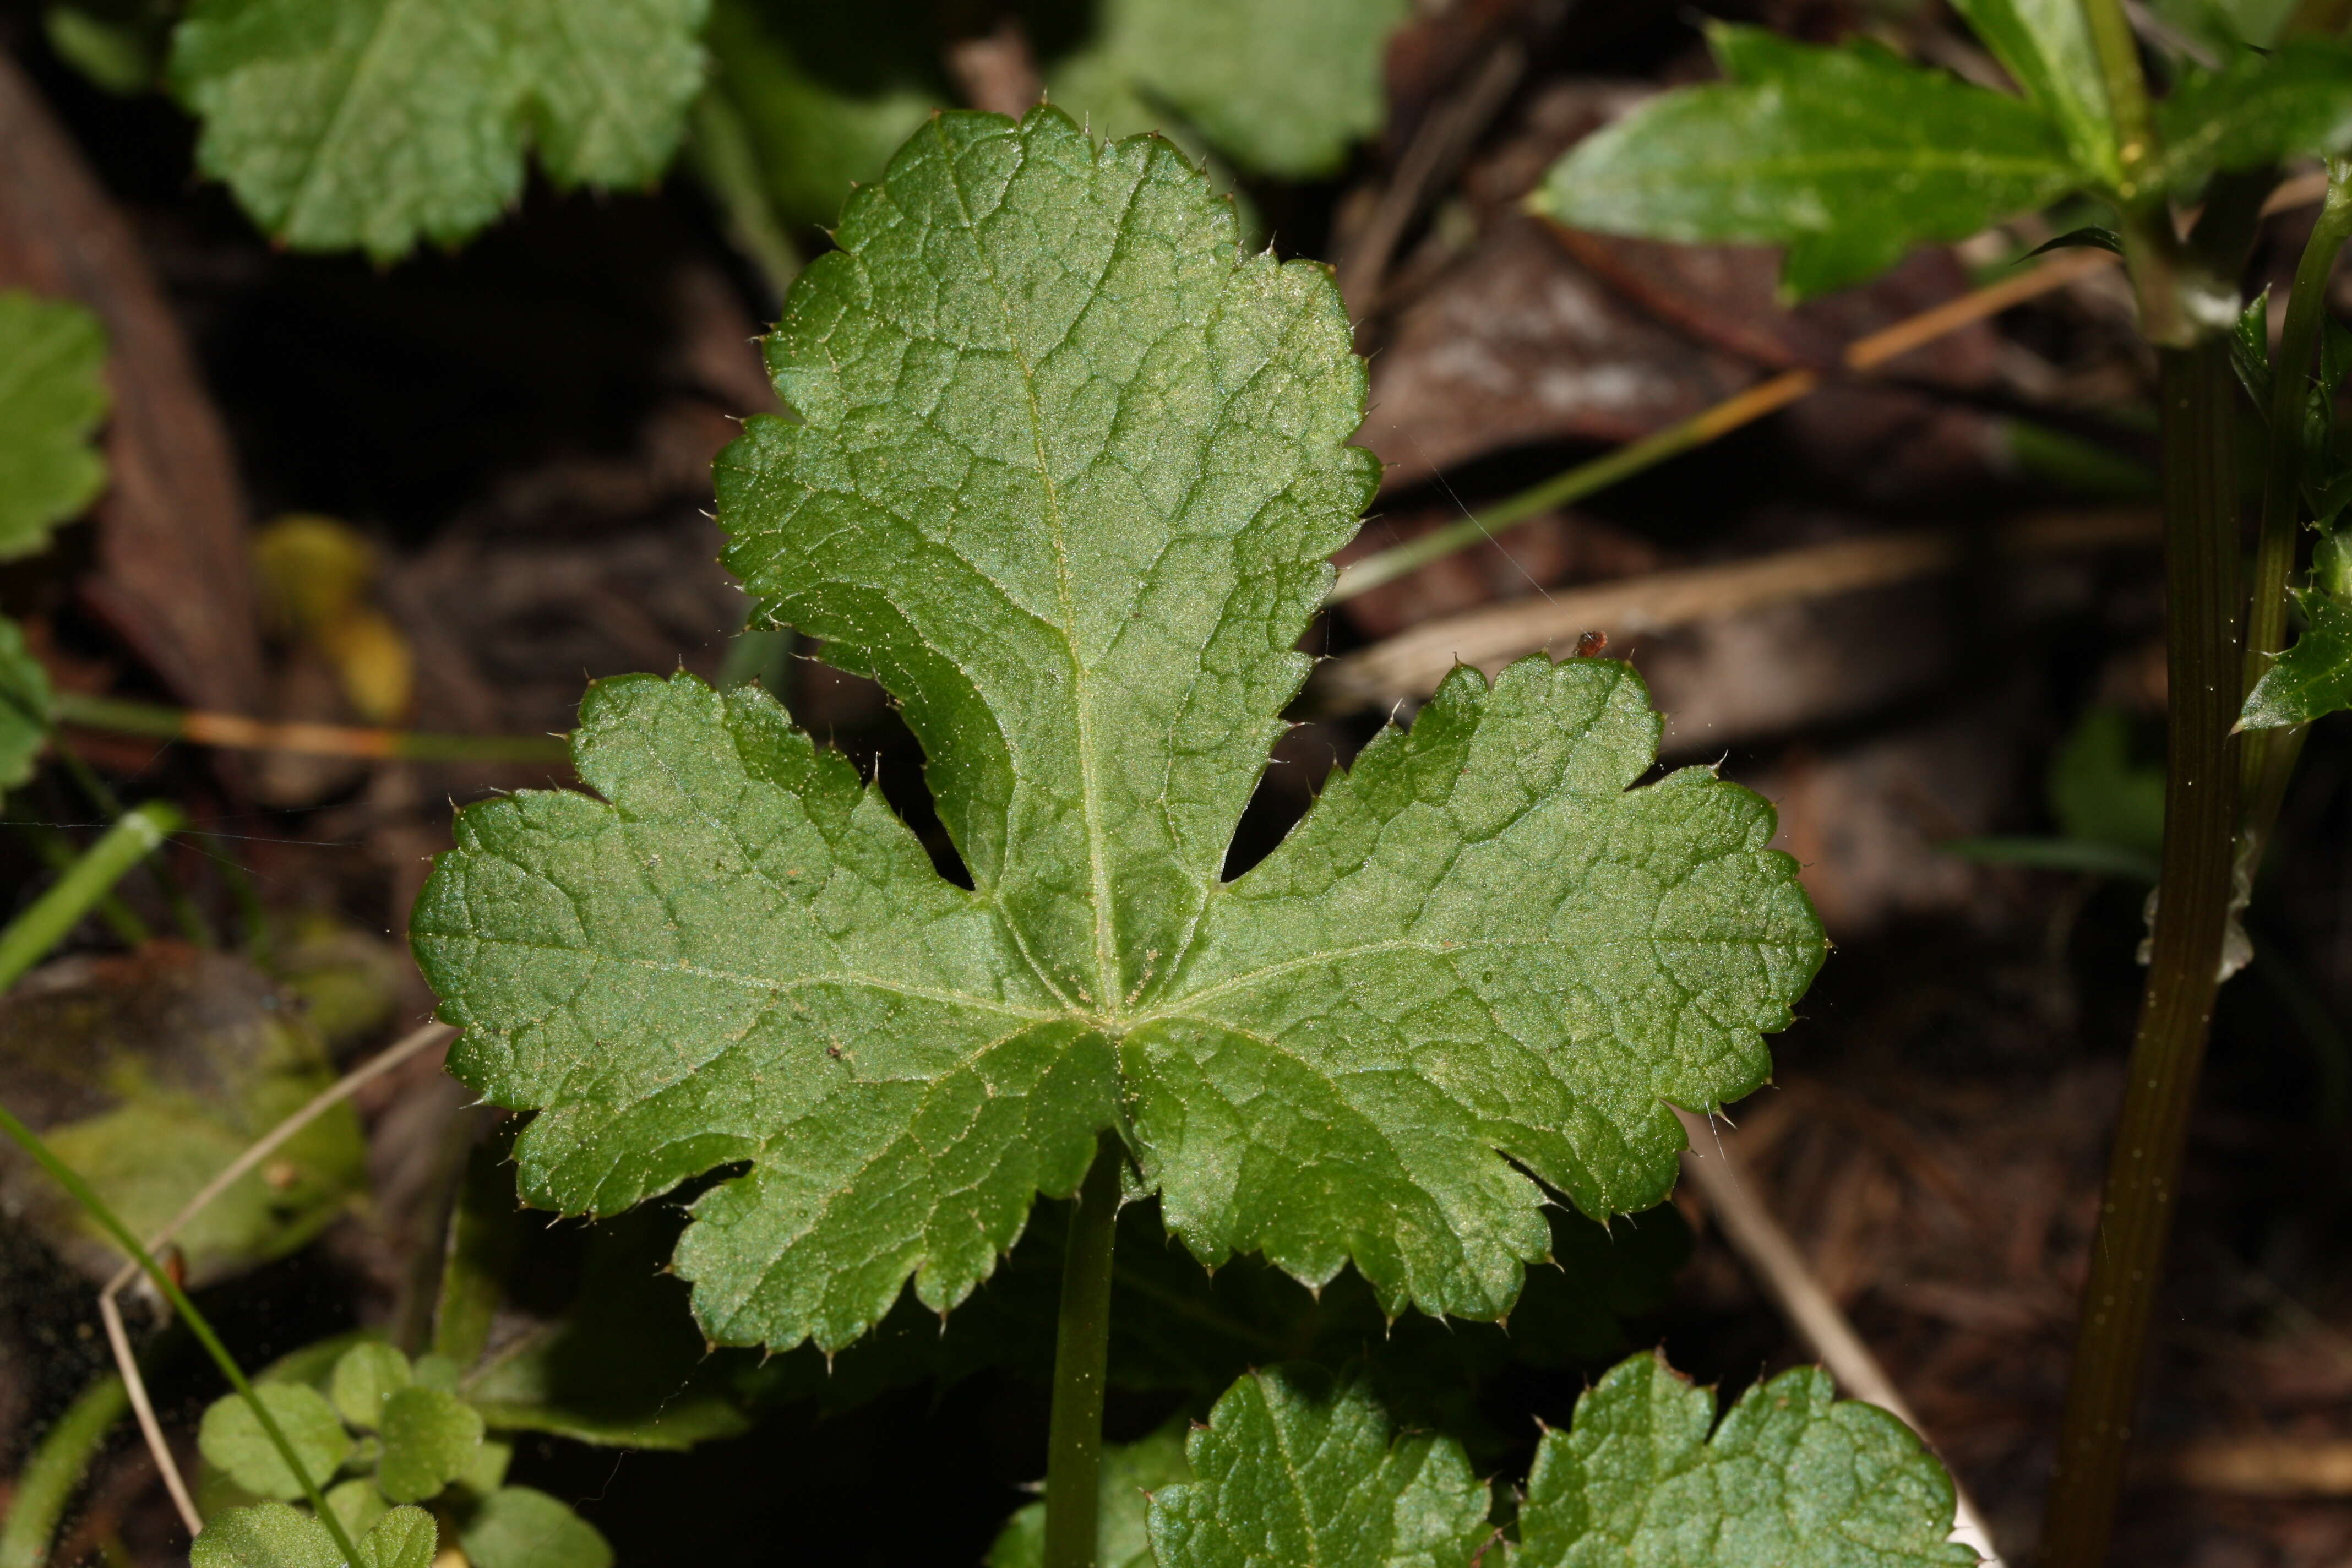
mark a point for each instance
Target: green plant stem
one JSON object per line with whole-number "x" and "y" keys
{"x": 27, "y": 939}
{"x": 2126, "y": 90}
{"x": 2274, "y": 551}
{"x": 96, "y": 790}
{"x": 1081, "y": 1364}
{"x": 47, "y": 1479}
{"x": 2151, "y": 248}
{"x": 235, "y": 730}
{"x": 96, "y": 1207}
{"x": 723, "y": 156}
{"x": 1573, "y": 485}
{"x": 57, "y": 852}
{"x": 2199, "y": 833}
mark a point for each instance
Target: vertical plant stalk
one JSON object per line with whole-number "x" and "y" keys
{"x": 2151, "y": 248}
{"x": 2199, "y": 829}
{"x": 1081, "y": 1363}
{"x": 2269, "y": 755}
{"x": 81, "y": 1192}
{"x": 719, "y": 147}
{"x": 44, "y": 923}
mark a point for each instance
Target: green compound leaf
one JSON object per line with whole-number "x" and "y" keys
{"x": 2046, "y": 46}
{"x": 276, "y": 1536}
{"x": 231, "y": 1438}
{"x": 27, "y": 706}
{"x": 430, "y": 1439}
{"x": 376, "y": 123}
{"x": 516, "y": 1527}
{"x": 1849, "y": 157}
{"x": 2313, "y": 678}
{"x": 1070, "y": 470}
{"x": 1791, "y": 1476}
{"x": 2263, "y": 107}
{"x": 366, "y": 1377}
{"x": 52, "y": 397}
{"x": 1292, "y": 1468}
{"x": 1131, "y": 1474}
{"x": 1281, "y": 86}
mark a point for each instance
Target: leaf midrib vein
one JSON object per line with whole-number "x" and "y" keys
{"x": 1090, "y": 784}
{"x": 315, "y": 159}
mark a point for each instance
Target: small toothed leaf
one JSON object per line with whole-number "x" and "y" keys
{"x": 52, "y": 397}
{"x": 378, "y": 123}
{"x": 1849, "y": 157}
{"x": 1790, "y": 1475}
{"x": 2313, "y": 678}
{"x": 2250, "y": 351}
{"x": 1293, "y": 1468}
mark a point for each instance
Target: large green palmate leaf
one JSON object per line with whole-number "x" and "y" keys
{"x": 1792, "y": 1475}
{"x": 1068, "y": 471}
{"x": 52, "y": 396}
{"x": 377, "y": 123}
{"x": 1849, "y": 157}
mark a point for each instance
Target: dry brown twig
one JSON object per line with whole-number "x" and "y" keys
{"x": 1409, "y": 665}
{"x": 2261, "y": 1467}
{"x": 110, "y": 1312}
{"x": 1783, "y": 1272}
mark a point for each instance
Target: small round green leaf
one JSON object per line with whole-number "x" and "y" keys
{"x": 517, "y": 1527}
{"x": 232, "y": 1438}
{"x": 430, "y": 1439}
{"x": 270, "y": 1536}
{"x": 367, "y": 1376}
{"x": 436, "y": 1371}
{"x": 404, "y": 1538}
